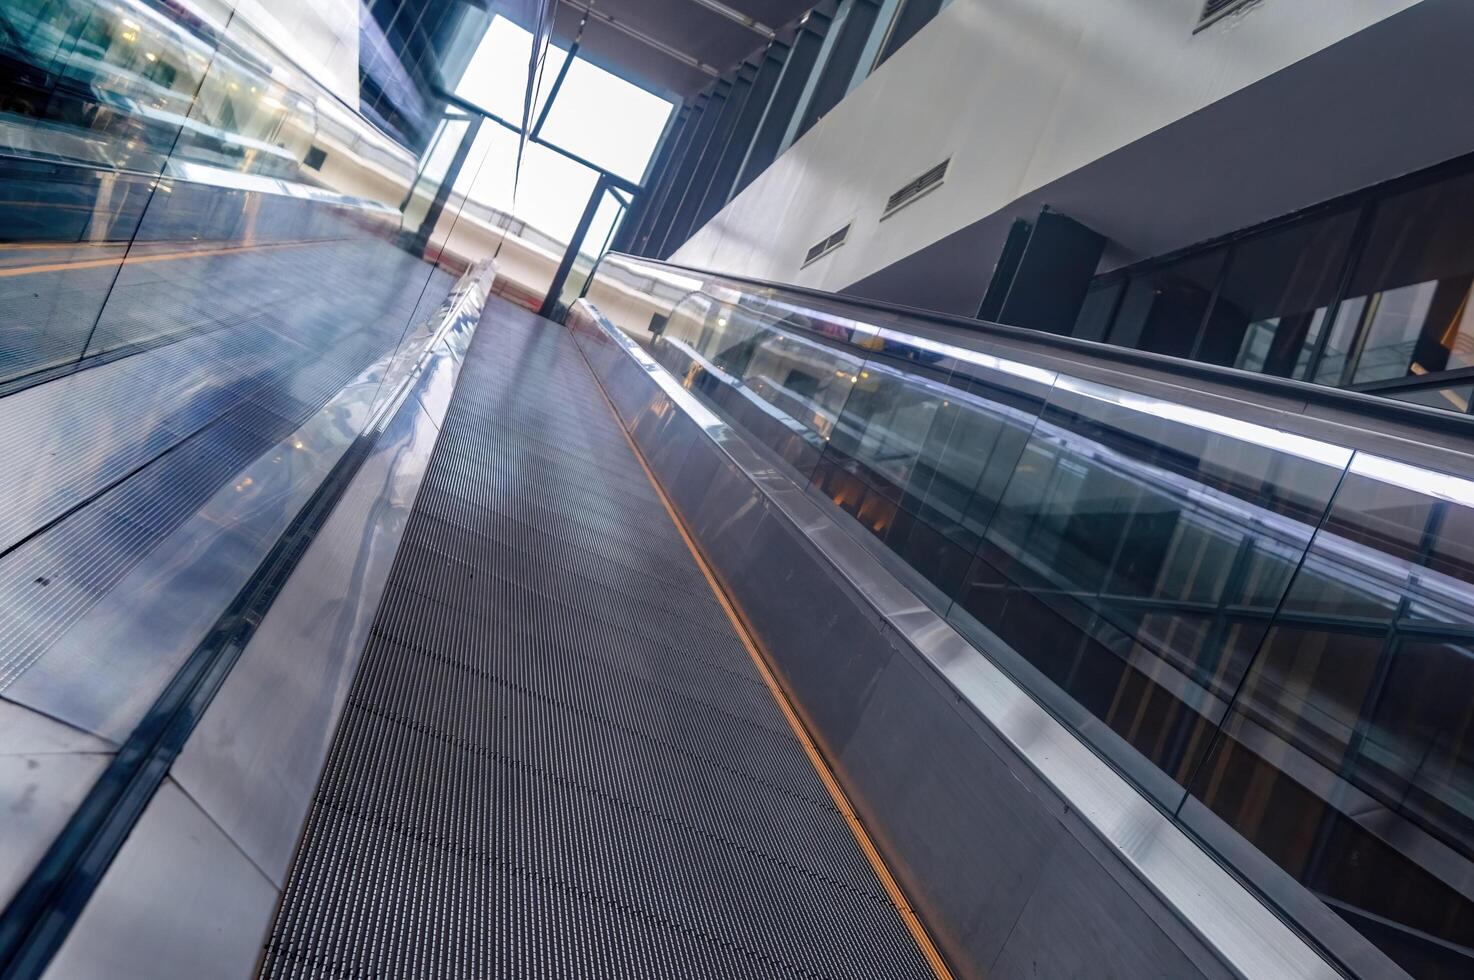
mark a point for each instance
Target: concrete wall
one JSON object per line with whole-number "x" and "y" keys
{"x": 1019, "y": 94}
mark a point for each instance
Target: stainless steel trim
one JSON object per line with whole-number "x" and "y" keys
{"x": 1250, "y": 938}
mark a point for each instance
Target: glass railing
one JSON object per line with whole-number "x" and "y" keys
{"x": 207, "y": 294}
{"x": 168, "y": 173}
{"x": 1254, "y": 598}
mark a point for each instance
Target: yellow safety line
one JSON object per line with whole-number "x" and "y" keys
{"x": 26, "y": 270}
{"x": 836, "y": 793}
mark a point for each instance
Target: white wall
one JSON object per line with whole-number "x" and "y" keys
{"x": 320, "y": 35}
{"x": 1018, "y": 93}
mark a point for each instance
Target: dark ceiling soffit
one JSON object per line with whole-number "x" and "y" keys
{"x": 670, "y": 51}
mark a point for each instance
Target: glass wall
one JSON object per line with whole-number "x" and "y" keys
{"x": 161, "y": 169}
{"x": 1263, "y": 621}
{"x": 207, "y": 290}
{"x": 1371, "y": 293}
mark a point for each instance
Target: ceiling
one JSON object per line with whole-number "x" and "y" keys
{"x": 674, "y": 47}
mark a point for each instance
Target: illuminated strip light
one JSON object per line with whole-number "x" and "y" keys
{"x": 1454, "y": 489}
{"x": 1251, "y": 432}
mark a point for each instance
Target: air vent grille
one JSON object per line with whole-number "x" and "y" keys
{"x": 1214, "y": 9}
{"x": 826, "y": 245}
{"x": 914, "y": 189}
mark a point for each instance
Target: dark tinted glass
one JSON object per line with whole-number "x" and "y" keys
{"x": 920, "y": 457}
{"x": 1163, "y": 308}
{"x": 1272, "y": 304}
{"x": 1349, "y": 758}
{"x": 912, "y": 17}
{"x": 1409, "y": 296}
{"x": 1450, "y": 397}
{"x": 1221, "y": 607}
{"x": 762, "y": 370}
{"x": 1137, "y": 556}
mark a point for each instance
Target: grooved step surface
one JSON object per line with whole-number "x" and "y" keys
{"x": 557, "y": 759}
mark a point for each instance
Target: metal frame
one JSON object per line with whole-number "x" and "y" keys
{"x": 607, "y": 180}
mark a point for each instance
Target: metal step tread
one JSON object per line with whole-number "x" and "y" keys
{"x": 557, "y": 758}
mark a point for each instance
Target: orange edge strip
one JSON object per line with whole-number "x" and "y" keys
{"x": 26, "y": 270}
{"x": 841, "y": 801}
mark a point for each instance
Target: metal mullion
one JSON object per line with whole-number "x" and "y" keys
{"x": 571, "y": 253}
{"x": 1354, "y": 252}
{"x": 542, "y": 116}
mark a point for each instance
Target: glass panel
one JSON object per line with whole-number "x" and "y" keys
{"x": 1414, "y": 279}
{"x": 448, "y": 137}
{"x": 111, "y": 84}
{"x": 911, "y": 18}
{"x": 1163, "y": 308}
{"x": 919, "y": 458}
{"x": 496, "y": 78}
{"x": 761, "y": 368}
{"x": 1136, "y": 558}
{"x": 527, "y": 222}
{"x": 1349, "y": 756}
{"x": 262, "y": 296}
{"x": 1272, "y": 303}
{"x": 591, "y": 248}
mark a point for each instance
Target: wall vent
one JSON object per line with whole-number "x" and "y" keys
{"x": 1215, "y": 9}
{"x": 914, "y": 189}
{"x": 824, "y": 246}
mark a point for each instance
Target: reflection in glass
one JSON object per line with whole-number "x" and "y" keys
{"x": 1449, "y": 397}
{"x": 1136, "y": 560}
{"x": 760, "y": 369}
{"x": 1272, "y": 304}
{"x": 1349, "y": 758}
{"x": 1412, "y": 285}
{"x": 920, "y": 457}
{"x": 1239, "y": 617}
{"x": 1163, "y": 309}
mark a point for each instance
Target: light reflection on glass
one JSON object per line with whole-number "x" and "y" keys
{"x": 1250, "y": 615}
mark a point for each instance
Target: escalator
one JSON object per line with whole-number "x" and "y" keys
{"x": 735, "y": 629}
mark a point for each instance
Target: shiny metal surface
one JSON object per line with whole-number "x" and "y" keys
{"x": 255, "y": 758}
{"x": 37, "y": 795}
{"x": 1250, "y": 939}
{"x": 26, "y": 732}
{"x": 129, "y": 638}
{"x": 109, "y": 665}
{"x": 179, "y": 902}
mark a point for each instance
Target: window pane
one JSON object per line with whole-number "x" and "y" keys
{"x": 1414, "y": 281}
{"x": 1163, "y": 308}
{"x": 600, "y": 232}
{"x": 921, "y": 455}
{"x": 496, "y": 78}
{"x": 912, "y": 17}
{"x": 1349, "y": 757}
{"x": 606, "y": 120}
{"x": 1274, "y": 295}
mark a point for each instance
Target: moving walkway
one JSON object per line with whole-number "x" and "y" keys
{"x": 736, "y": 629}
